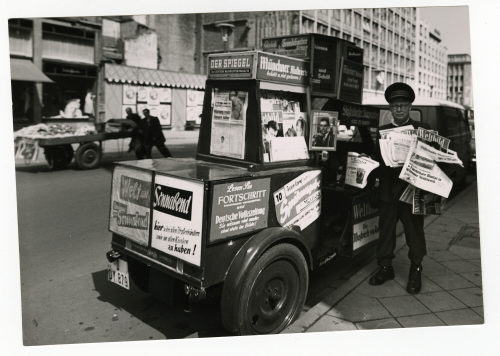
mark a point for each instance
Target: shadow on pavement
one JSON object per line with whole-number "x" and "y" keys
{"x": 202, "y": 320}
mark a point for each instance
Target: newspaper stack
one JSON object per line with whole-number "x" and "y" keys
{"x": 396, "y": 143}
{"x": 358, "y": 168}
{"x": 418, "y": 151}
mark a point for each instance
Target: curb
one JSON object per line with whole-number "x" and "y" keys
{"x": 316, "y": 312}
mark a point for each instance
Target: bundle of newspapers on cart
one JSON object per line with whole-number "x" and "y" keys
{"x": 418, "y": 151}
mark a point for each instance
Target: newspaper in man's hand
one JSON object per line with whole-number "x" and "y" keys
{"x": 421, "y": 170}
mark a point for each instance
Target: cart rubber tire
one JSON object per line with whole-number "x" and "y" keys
{"x": 272, "y": 295}
{"x": 58, "y": 157}
{"x": 88, "y": 156}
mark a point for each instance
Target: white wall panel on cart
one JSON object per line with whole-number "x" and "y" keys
{"x": 177, "y": 218}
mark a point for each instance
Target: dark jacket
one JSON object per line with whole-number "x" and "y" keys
{"x": 391, "y": 187}
{"x": 151, "y": 131}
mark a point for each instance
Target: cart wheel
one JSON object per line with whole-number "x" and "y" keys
{"x": 88, "y": 156}
{"x": 58, "y": 157}
{"x": 273, "y": 293}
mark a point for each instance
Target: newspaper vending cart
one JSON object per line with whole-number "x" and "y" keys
{"x": 263, "y": 204}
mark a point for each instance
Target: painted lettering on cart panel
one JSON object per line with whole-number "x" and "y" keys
{"x": 299, "y": 201}
{"x": 365, "y": 222}
{"x": 130, "y": 204}
{"x": 176, "y": 202}
{"x": 239, "y": 207}
{"x": 135, "y": 191}
{"x": 177, "y": 218}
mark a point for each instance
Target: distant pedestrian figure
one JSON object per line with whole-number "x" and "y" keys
{"x": 135, "y": 142}
{"x": 151, "y": 135}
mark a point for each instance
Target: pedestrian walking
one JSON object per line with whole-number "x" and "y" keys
{"x": 400, "y": 96}
{"x": 151, "y": 135}
{"x": 135, "y": 142}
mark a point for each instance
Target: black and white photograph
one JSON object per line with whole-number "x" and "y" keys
{"x": 174, "y": 182}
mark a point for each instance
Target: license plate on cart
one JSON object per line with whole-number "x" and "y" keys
{"x": 118, "y": 273}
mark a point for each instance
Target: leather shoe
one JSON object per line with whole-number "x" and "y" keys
{"x": 414, "y": 279}
{"x": 384, "y": 274}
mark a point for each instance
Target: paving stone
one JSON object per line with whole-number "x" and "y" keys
{"x": 460, "y": 317}
{"x": 422, "y": 320}
{"x": 461, "y": 266}
{"x": 443, "y": 255}
{"x": 479, "y": 310}
{"x": 439, "y": 301}
{"x": 389, "y": 323}
{"x": 427, "y": 284}
{"x": 330, "y": 323}
{"x": 388, "y": 289}
{"x": 431, "y": 267}
{"x": 475, "y": 261}
{"x": 472, "y": 297}
{"x": 357, "y": 307}
{"x": 435, "y": 246}
{"x": 450, "y": 281}
{"x": 474, "y": 277}
{"x": 437, "y": 237}
{"x": 467, "y": 253}
{"x": 403, "y": 305}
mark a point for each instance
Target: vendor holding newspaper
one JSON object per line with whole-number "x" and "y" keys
{"x": 411, "y": 183}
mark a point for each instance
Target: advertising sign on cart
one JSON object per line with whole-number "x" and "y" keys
{"x": 365, "y": 222}
{"x": 177, "y": 218}
{"x": 130, "y": 204}
{"x": 239, "y": 207}
{"x": 299, "y": 201}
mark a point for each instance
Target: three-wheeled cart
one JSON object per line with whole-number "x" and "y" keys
{"x": 59, "y": 151}
{"x": 264, "y": 203}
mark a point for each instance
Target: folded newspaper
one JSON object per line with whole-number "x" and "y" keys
{"x": 358, "y": 168}
{"x": 417, "y": 151}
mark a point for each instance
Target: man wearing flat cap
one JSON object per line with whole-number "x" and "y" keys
{"x": 400, "y": 96}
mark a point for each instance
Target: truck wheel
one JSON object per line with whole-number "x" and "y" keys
{"x": 58, "y": 157}
{"x": 88, "y": 156}
{"x": 273, "y": 293}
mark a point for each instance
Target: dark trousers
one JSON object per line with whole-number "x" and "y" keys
{"x": 390, "y": 213}
{"x": 146, "y": 150}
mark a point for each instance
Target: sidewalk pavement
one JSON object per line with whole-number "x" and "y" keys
{"x": 120, "y": 146}
{"x": 451, "y": 281}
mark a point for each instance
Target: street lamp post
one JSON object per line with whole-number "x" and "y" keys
{"x": 225, "y": 30}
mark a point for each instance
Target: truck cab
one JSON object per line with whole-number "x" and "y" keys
{"x": 263, "y": 203}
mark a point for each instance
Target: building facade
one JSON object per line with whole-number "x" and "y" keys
{"x": 388, "y": 36}
{"x": 61, "y": 56}
{"x": 431, "y": 65}
{"x": 460, "y": 79}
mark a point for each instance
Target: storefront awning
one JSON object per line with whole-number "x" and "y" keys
{"x": 24, "y": 70}
{"x": 115, "y": 73}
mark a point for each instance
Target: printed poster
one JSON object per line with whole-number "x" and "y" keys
{"x": 165, "y": 95}
{"x": 239, "y": 207}
{"x": 154, "y": 96}
{"x": 129, "y": 95}
{"x": 130, "y": 202}
{"x": 164, "y": 114}
{"x": 193, "y": 113}
{"x": 177, "y": 218}
{"x": 142, "y": 94}
{"x": 194, "y": 97}
{"x": 323, "y": 135}
{"x": 365, "y": 227}
{"x": 299, "y": 201}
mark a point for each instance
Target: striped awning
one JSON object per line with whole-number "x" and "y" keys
{"x": 24, "y": 70}
{"x": 115, "y": 73}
